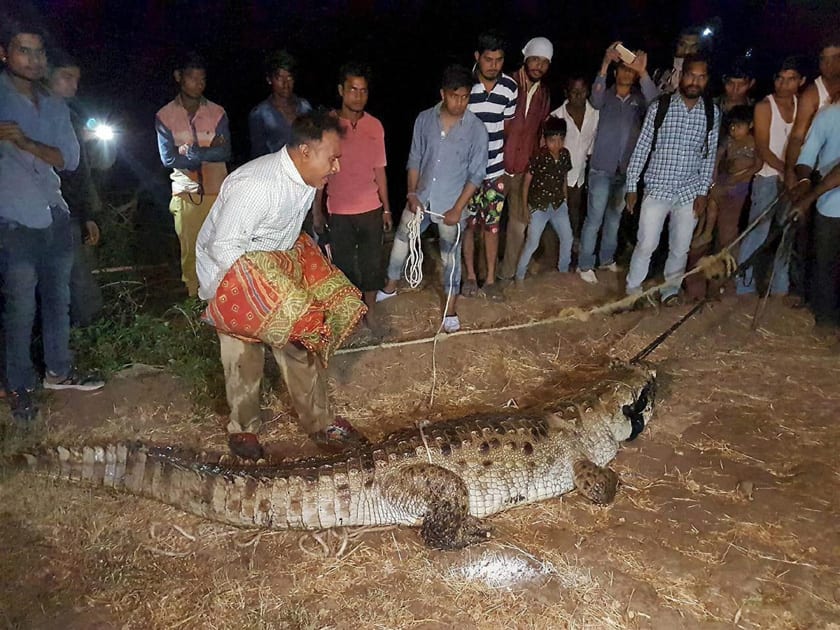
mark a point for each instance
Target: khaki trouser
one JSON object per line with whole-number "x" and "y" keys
{"x": 518, "y": 218}
{"x": 189, "y": 217}
{"x": 302, "y": 371}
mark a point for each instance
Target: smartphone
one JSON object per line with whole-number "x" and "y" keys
{"x": 627, "y": 55}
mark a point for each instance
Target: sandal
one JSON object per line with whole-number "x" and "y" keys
{"x": 469, "y": 288}
{"x": 672, "y": 300}
{"x": 492, "y": 292}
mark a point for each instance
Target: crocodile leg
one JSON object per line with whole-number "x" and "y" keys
{"x": 440, "y": 498}
{"x": 594, "y": 482}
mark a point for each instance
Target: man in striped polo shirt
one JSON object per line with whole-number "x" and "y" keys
{"x": 493, "y": 100}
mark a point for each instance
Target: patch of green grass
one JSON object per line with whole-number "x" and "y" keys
{"x": 176, "y": 340}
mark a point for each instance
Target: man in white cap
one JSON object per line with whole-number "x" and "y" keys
{"x": 522, "y": 136}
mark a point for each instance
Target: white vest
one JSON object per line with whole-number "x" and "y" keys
{"x": 779, "y": 132}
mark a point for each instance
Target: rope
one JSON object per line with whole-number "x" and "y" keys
{"x": 414, "y": 266}
{"x": 414, "y": 277}
{"x": 717, "y": 265}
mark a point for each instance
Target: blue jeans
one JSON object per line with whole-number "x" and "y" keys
{"x": 764, "y": 191}
{"x": 33, "y": 259}
{"x": 559, "y": 219}
{"x": 606, "y": 202}
{"x": 680, "y": 230}
{"x": 450, "y": 250}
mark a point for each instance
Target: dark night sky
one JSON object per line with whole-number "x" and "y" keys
{"x": 127, "y": 49}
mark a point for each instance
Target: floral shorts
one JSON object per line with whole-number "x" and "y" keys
{"x": 485, "y": 207}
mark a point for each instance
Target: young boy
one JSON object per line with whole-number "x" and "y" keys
{"x": 737, "y": 163}
{"x": 544, "y": 193}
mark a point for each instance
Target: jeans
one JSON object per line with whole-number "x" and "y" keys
{"x": 36, "y": 259}
{"x": 450, "y": 250}
{"x": 764, "y": 191}
{"x": 559, "y": 219}
{"x": 680, "y": 231}
{"x": 606, "y": 202}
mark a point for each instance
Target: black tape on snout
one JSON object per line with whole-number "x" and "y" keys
{"x": 635, "y": 413}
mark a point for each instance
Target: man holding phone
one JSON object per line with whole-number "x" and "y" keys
{"x": 622, "y": 109}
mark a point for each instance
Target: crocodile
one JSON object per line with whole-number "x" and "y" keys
{"x": 445, "y": 477}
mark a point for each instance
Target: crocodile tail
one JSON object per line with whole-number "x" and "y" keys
{"x": 167, "y": 475}
{"x": 295, "y": 497}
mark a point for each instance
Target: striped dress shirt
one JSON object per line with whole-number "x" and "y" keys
{"x": 261, "y": 207}
{"x": 493, "y": 108}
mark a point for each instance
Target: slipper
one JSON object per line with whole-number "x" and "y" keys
{"x": 469, "y": 288}
{"x": 492, "y": 292}
{"x": 672, "y": 300}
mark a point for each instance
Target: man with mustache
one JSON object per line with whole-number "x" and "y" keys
{"x": 522, "y": 139}
{"x": 676, "y": 163}
{"x": 266, "y": 283}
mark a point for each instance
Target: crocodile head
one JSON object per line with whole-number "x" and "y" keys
{"x": 640, "y": 399}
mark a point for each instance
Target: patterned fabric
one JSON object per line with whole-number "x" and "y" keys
{"x": 486, "y": 205}
{"x": 683, "y": 160}
{"x": 261, "y": 207}
{"x": 549, "y": 176}
{"x": 493, "y": 108}
{"x": 289, "y": 296}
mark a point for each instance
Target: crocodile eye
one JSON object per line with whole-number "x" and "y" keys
{"x": 483, "y": 448}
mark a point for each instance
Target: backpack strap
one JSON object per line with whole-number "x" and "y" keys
{"x": 663, "y": 103}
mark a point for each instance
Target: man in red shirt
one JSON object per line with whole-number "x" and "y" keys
{"x": 357, "y": 195}
{"x": 522, "y": 135}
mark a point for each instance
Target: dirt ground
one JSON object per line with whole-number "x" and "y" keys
{"x": 727, "y": 514}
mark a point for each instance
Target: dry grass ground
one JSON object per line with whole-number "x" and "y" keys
{"x": 727, "y": 515}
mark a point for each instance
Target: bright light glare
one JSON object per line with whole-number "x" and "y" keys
{"x": 104, "y": 132}
{"x": 707, "y": 32}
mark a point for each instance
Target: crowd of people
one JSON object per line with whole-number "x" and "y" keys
{"x": 490, "y": 160}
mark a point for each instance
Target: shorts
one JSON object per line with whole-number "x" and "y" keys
{"x": 485, "y": 207}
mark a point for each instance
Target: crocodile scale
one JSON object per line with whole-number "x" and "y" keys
{"x": 444, "y": 477}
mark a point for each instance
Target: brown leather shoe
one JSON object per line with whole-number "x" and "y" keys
{"x": 245, "y": 445}
{"x": 338, "y": 436}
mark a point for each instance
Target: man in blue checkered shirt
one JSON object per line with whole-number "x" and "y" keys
{"x": 677, "y": 179}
